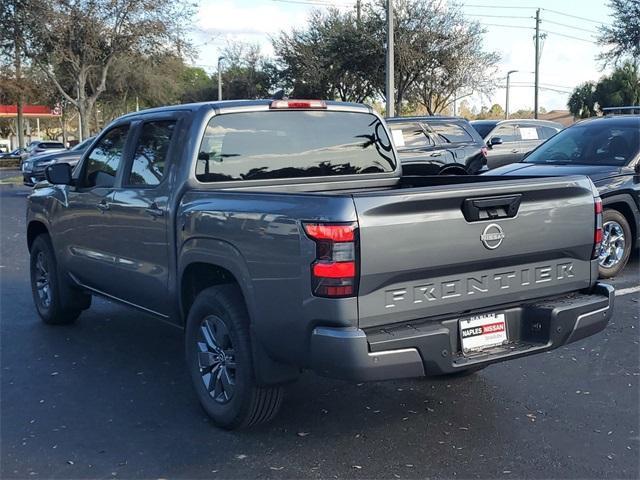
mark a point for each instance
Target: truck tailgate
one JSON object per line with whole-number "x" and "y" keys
{"x": 420, "y": 256}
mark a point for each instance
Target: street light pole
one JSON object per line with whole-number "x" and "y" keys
{"x": 506, "y": 102}
{"x": 390, "y": 90}
{"x": 220, "y": 78}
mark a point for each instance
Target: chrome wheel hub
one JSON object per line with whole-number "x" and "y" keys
{"x": 216, "y": 359}
{"x": 612, "y": 246}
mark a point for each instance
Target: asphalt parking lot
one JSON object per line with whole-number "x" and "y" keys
{"x": 110, "y": 398}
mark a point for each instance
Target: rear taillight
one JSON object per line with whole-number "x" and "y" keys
{"x": 334, "y": 272}
{"x": 597, "y": 236}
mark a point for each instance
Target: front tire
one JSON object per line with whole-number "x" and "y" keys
{"x": 615, "y": 248}
{"x": 55, "y": 302}
{"x": 219, "y": 358}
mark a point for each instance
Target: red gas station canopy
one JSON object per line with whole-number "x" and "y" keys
{"x": 41, "y": 111}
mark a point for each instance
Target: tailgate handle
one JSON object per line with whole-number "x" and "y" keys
{"x": 489, "y": 208}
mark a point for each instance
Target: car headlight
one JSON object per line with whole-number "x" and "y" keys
{"x": 26, "y": 166}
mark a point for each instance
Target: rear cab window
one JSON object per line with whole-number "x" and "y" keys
{"x": 293, "y": 144}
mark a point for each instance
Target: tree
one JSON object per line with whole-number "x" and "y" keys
{"x": 14, "y": 19}
{"x": 440, "y": 54}
{"x": 582, "y": 102}
{"x": 246, "y": 72}
{"x": 437, "y": 53}
{"x": 619, "y": 89}
{"x": 82, "y": 40}
{"x": 334, "y": 57}
{"x": 622, "y": 36}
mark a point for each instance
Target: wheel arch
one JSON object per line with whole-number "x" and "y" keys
{"x": 624, "y": 205}
{"x": 205, "y": 263}
{"x": 34, "y": 229}
{"x": 453, "y": 170}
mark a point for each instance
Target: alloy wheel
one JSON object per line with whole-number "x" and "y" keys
{"x": 612, "y": 246}
{"x": 216, "y": 359}
{"x": 43, "y": 287}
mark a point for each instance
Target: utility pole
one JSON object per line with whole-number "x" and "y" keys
{"x": 390, "y": 90}
{"x": 358, "y": 10}
{"x": 20, "y": 98}
{"x": 220, "y": 78}
{"x": 506, "y": 102}
{"x": 537, "y": 72}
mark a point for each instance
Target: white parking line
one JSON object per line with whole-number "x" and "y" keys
{"x": 627, "y": 291}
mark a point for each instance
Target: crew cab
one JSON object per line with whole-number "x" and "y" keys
{"x": 282, "y": 236}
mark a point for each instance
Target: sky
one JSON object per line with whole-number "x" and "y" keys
{"x": 565, "y": 61}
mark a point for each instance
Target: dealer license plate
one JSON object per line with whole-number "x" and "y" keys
{"x": 482, "y": 331}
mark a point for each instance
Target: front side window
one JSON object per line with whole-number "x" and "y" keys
{"x": 105, "y": 158}
{"x": 293, "y": 144}
{"x": 449, "y": 132}
{"x": 409, "y": 136}
{"x": 507, "y": 133}
{"x": 150, "y": 155}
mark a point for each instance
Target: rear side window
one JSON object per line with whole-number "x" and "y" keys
{"x": 409, "y": 135}
{"x": 51, "y": 145}
{"x": 151, "y": 153}
{"x": 449, "y": 132}
{"x": 546, "y": 132}
{"x": 105, "y": 158}
{"x": 293, "y": 144}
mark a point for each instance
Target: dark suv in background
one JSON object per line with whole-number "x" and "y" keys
{"x": 437, "y": 145}
{"x": 508, "y": 141}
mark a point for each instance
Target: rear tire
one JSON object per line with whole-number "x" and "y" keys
{"x": 56, "y": 302}
{"x": 616, "y": 243}
{"x": 219, "y": 358}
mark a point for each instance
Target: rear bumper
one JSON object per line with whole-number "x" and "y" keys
{"x": 433, "y": 347}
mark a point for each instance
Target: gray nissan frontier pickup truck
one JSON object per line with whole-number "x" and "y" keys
{"x": 282, "y": 236}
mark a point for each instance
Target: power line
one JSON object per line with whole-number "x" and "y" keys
{"x": 495, "y": 16}
{"x": 572, "y": 16}
{"x": 569, "y": 26}
{"x": 569, "y": 36}
{"x": 506, "y": 26}
{"x": 315, "y": 2}
{"x": 498, "y": 6}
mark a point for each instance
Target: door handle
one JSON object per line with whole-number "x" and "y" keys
{"x": 436, "y": 154}
{"x": 515, "y": 150}
{"x": 154, "y": 211}
{"x": 103, "y": 206}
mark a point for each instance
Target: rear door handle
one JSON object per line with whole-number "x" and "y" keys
{"x": 103, "y": 206}
{"x": 154, "y": 211}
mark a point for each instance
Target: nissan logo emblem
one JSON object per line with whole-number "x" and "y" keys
{"x": 492, "y": 236}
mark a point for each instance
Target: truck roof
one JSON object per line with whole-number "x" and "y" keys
{"x": 233, "y": 104}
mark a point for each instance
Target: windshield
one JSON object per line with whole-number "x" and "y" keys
{"x": 483, "y": 128}
{"x": 593, "y": 143}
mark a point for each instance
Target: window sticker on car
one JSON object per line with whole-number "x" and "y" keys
{"x": 528, "y": 133}
{"x": 398, "y": 139}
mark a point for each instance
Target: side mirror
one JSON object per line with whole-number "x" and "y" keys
{"x": 58, "y": 174}
{"x": 495, "y": 141}
{"x": 637, "y": 168}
